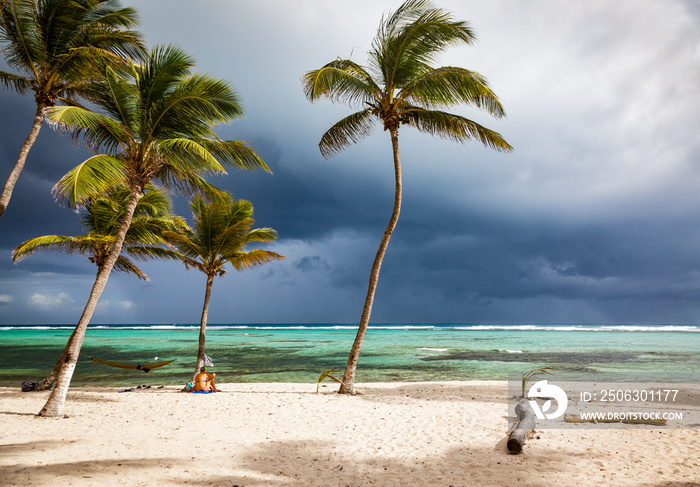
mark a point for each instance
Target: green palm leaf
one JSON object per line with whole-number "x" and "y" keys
{"x": 454, "y": 127}
{"x": 340, "y": 80}
{"x": 53, "y": 243}
{"x": 15, "y": 82}
{"x": 221, "y": 230}
{"x": 347, "y": 131}
{"x": 90, "y": 179}
{"x": 450, "y": 86}
{"x": 101, "y": 220}
{"x": 254, "y": 258}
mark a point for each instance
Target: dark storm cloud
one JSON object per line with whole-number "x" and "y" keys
{"x": 593, "y": 217}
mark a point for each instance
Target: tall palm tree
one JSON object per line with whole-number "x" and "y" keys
{"x": 222, "y": 230}
{"x": 401, "y": 87}
{"x": 158, "y": 124}
{"x": 100, "y": 221}
{"x": 57, "y": 47}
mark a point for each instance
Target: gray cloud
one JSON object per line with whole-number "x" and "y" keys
{"x": 592, "y": 218}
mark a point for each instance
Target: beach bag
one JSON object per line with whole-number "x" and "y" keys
{"x": 189, "y": 387}
{"x": 28, "y": 386}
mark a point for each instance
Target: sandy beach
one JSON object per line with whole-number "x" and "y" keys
{"x": 398, "y": 434}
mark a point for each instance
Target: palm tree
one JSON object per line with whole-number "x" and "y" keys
{"x": 156, "y": 125}
{"x": 100, "y": 221}
{"x": 57, "y": 46}
{"x": 401, "y": 87}
{"x": 221, "y": 233}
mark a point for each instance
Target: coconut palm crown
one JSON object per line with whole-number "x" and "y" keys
{"x": 101, "y": 220}
{"x": 220, "y": 235}
{"x": 155, "y": 123}
{"x": 56, "y": 49}
{"x": 401, "y": 87}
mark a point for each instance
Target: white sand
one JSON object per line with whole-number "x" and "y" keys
{"x": 399, "y": 434}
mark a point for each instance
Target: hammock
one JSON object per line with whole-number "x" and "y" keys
{"x": 145, "y": 368}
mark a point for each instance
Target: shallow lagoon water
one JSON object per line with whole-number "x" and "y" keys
{"x": 300, "y": 353}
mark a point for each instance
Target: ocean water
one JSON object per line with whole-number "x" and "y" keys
{"x": 300, "y": 353}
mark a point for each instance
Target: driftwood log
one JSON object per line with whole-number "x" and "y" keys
{"x": 526, "y": 423}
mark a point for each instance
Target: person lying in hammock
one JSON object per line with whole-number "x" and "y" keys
{"x": 204, "y": 381}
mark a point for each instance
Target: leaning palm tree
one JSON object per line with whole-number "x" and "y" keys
{"x": 400, "y": 86}
{"x": 156, "y": 124}
{"x": 56, "y": 48}
{"x": 222, "y": 230}
{"x": 100, "y": 221}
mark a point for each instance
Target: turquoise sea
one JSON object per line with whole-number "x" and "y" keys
{"x": 392, "y": 352}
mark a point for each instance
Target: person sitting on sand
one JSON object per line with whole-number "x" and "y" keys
{"x": 204, "y": 381}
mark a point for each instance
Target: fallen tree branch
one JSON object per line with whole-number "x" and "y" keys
{"x": 526, "y": 423}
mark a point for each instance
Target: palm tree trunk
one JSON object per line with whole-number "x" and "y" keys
{"x": 348, "y": 383}
{"x": 203, "y": 327}
{"x": 57, "y": 400}
{"x": 21, "y": 159}
{"x": 48, "y": 381}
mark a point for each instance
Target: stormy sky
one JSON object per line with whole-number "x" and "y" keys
{"x": 593, "y": 218}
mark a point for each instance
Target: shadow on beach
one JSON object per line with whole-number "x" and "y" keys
{"x": 320, "y": 464}
{"x": 88, "y": 472}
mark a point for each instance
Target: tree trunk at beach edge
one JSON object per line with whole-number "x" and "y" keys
{"x": 203, "y": 328}
{"x": 55, "y": 406}
{"x": 50, "y": 379}
{"x": 348, "y": 383}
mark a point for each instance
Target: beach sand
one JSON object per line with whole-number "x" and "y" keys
{"x": 397, "y": 434}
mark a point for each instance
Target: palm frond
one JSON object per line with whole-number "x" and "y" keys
{"x": 120, "y": 101}
{"x": 450, "y": 86}
{"x": 48, "y": 243}
{"x": 89, "y": 179}
{"x": 179, "y": 179}
{"x": 254, "y": 258}
{"x": 97, "y": 130}
{"x": 109, "y": 13}
{"x": 123, "y": 264}
{"x": 197, "y": 104}
{"x": 229, "y": 240}
{"x": 148, "y": 252}
{"x": 185, "y": 242}
{"x": 410, "y": 50}
{"x": 15, "y": 82}
{"x": 350, "y": 130}
{"x": 159, "y": 74}
{"x": 454, "y": 127}
{"x": 261, "y": 235}
{"x": 191, "y": 154}
{"x": 340, "y": 80}
{"x": 21, "y": 33}
{"x": 235, "y": 154}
